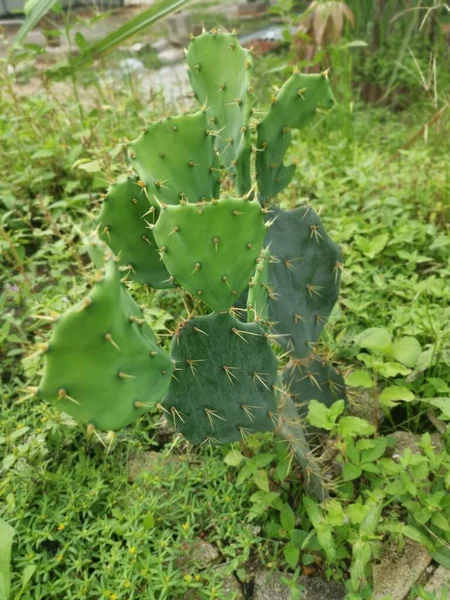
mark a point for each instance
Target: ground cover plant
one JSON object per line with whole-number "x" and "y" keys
{"x": 63, "y": 492}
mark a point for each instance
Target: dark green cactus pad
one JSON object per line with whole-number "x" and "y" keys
{"x": 316, "y": 380}
{"x": 219, "y": 72}
{"x": 258, "y": 293}
{"x": 103, "y": 365}
{"x": 294, "y": 107}
{"x": 211, "y": 248}
{"x": 176, "y": 159}
{"x": 305, "y": 273}
{"x": 124, "y": 224}
{"x": 223, "y": 387}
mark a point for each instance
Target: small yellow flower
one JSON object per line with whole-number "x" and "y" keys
{"x": 197, "y": 577}
{"x": 59, "y": 557}
{"x": 185, "y": 526}
{"x": 61, "y": 527}
{"x": 188, "y": 578}
{"x": 113, "y": 596}
{"x": 127, "y": 584}
{"x": 132, "y": 550}
{"x": 227, "y": 499}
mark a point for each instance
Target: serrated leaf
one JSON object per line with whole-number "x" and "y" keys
{"x": 393, "y": 394}
{"x": 353, "y": 426}
{"x": 261, "y": 480}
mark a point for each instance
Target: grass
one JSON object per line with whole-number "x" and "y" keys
{"x": 91, "y": 531}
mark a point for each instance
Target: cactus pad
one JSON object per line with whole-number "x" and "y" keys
{"x": 124, "y": 226}
{"x": 258, "y": 293}
{"x": 223, "y": 387}
{"x": 211, "y": 248}
{"x": 293, "y": 108}
{"x": 103, "y": 365}
{"x": 176, "y": 159}
{"x": 315, "y": 380}
{"x": 219, "y": 71}
{"x": 305, "y": 272}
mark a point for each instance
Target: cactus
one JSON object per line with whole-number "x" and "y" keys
{"x": 168, "y": 224}
{"x": 219, "y": 72}
{"x": 224, "y": 382}
{"x": 125, "y": 224}
{"x": 103, "y": 365}
{"x": 211, "y": 248}
{"x": 304, "y": 274}
{"x": 294, "y": 107}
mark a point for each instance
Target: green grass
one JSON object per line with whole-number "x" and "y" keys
{"x": 90, "y": 531}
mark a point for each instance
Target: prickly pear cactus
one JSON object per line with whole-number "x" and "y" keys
{"x": 305, "y": 273}
{"x": 169, "y": 224}
{"x": 125, "y": 225}
{"x": 103, "y": 365}
{"x": 219, "y": 71}
{"x": 294, "y": 107}
{"x": 224, "y": 384}
{"x": 211, "y": 248}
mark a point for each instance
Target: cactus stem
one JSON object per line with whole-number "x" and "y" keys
{"x": 273, "y": 417}
{"x": 313, "y": 380}
{"x": 261, "y": 380}
{"x": 301, "y": 92}
{"x": 209, "y": 440}
{"x": 162, "y": 250}
{"x": 212, "y": 414}
{"x": 197, "y": 267}
{"x": 142, "y": 405}
{"x": 145, "y": 238}
{"x": 150, "y": 211}
{"x": 320, "y": 318}
{"x": 85, "y": 304}
{"x": 298, "y": 318}
{"x": 216, "y": 242}
{"x": 270, "y": 222}
{"x": 337, "y": 267}
{"x": 174, "y": 230}
{"x": 229, "y": 373}
{"x": 109, "y": 339}
{"x": 238, "y": 333}
{"x": 325, "y": 73}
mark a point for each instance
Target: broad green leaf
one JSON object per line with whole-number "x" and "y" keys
{"x": 417, "y": 536}
{"x": 6, "y": 536}
{"x": 376, "y": 339}
{"x": 353, "y": 426}
{"x": 359, "y": 378}
{"x": 291, "y": 555}
{"x": 440, "y": 521}
{"x": 233, "y": 458}
{"x": 391, "y": 369}
{"x": 287, "y": 518}
{"x": 314, "y": 512}
{"x": 442, "y": 403}
{"x": 370, "y": 521}
{"x": 264, "y": 459}
{"x": 318, "y": 415}
{"x": 27, "y": 574}
{"x": 373, "y": 246}
{"x": 374, "y": 453}
{"x": 350, "y": 472}
{"x": 37, "y": 10}
{"x": 261, "y": 480}
{"x": 439, "y": 385}
{"x": 406, "y": 350}
{"x": 393, "y": 394}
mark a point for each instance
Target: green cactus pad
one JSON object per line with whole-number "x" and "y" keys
{"x": 211, "y": 248}
{"x": 176, "y": 159}
{"x": 305, "y": 272}
{"x": 316, "y": 380}
{"x": 223, "y": 387}
{"x": 219, "y": 71}
{"x": 293, "y": 108}
{"x": 258, "y": 293}
{"x": 103, "y": 365}
{"x": 124, "y": 226}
